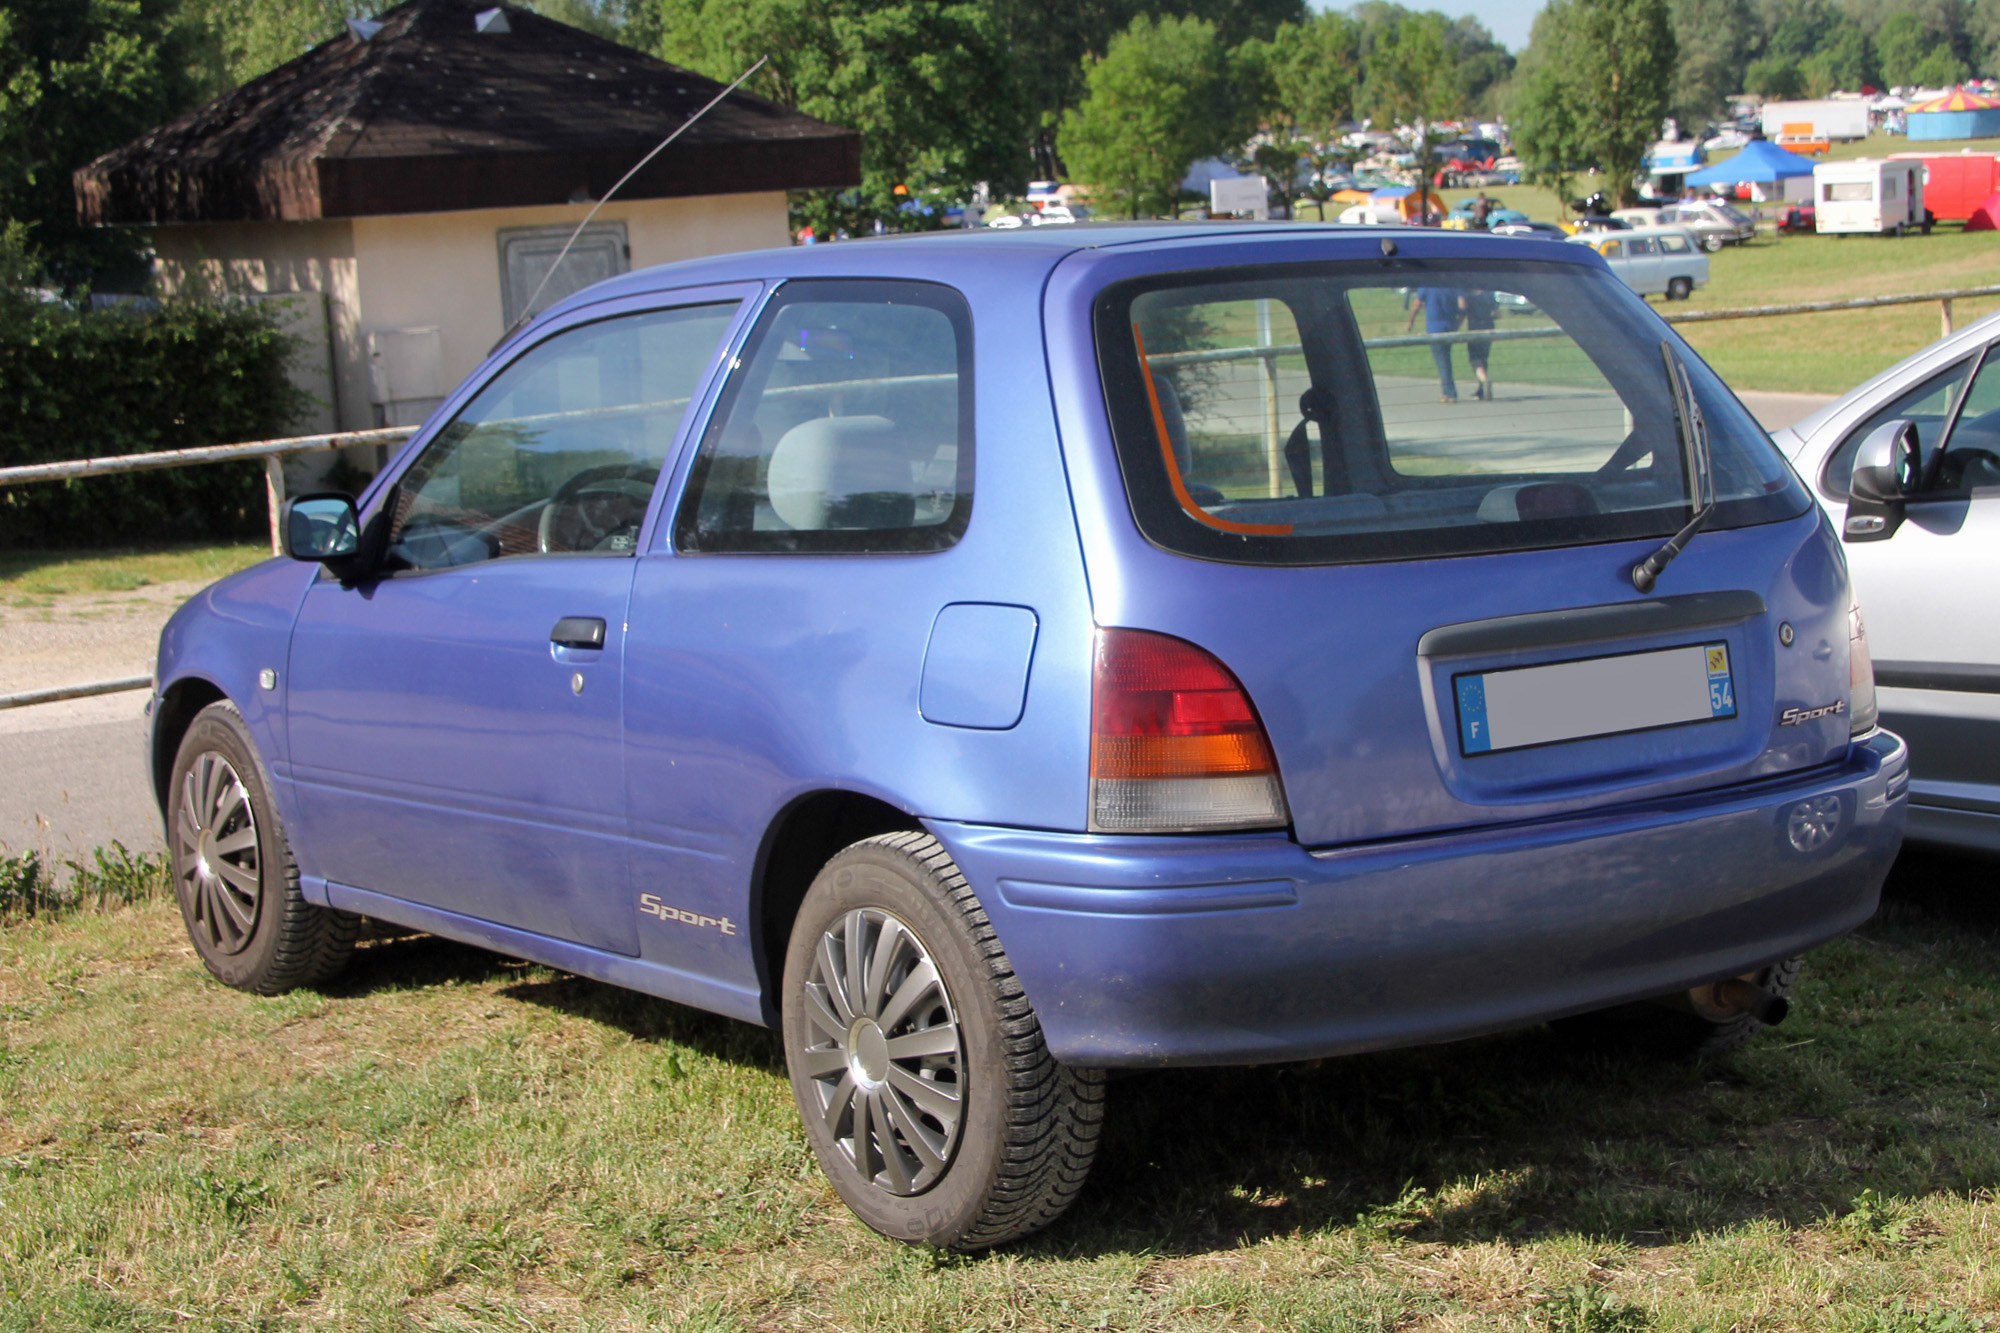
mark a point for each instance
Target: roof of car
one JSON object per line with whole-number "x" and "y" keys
{"x": 1029, "y": 254}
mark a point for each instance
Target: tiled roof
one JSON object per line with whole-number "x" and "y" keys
{"x": 433, "y": 115}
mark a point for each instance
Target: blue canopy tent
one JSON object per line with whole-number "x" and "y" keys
{"x": 1762, "y": 163}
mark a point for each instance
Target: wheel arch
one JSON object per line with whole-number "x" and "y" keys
{"x": 803, "y": 837}
{"x": 180, "y": 703}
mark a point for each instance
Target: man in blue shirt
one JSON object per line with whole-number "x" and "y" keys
{"x": 1441, "y": 315}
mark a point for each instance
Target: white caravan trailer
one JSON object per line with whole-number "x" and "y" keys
{"x": 1868, "y": 196}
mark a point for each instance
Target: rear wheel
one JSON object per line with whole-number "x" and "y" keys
{"x": 233, "y": 871}
{"x": 1691, "y": 1026}
{"x": 1711, "y": 243}
{"x": 1679, "y": 289}
{"x": 927, "y": 1091}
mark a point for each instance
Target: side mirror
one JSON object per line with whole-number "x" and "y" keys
{"x": 320, "y": 527}
{"x": 1887, "y": 469}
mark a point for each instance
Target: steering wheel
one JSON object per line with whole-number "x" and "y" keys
{"x": 1957, "y": 462}
{"x": 598, "y": 509}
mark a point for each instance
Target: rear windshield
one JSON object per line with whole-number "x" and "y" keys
{"x": 1393, "y": 410}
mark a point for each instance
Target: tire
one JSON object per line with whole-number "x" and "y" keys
{"x": 1673, "y": 1028}
{"x": 989, "y": 1138}
{"x": 1679, "y": 289}
{"x": 1711, "y": 243}
{"x": 233, "y": 870}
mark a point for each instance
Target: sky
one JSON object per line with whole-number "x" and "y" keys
{"x": 1509, "y": 20}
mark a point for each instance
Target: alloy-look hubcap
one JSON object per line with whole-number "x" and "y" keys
{"x": 883, "y": 1051}
{"x": 221, "y": 878}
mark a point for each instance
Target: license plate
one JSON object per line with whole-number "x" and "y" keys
{"x": 1594, "y": 696}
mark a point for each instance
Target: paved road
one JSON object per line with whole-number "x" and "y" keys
{"x": 72, "y": 777}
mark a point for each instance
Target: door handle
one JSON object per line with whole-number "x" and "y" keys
{"x": 578, "y": 632}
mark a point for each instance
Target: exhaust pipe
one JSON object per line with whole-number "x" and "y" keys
{"x": 1746, "y": 997}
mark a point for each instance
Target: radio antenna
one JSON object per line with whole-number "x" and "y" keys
{"x": 563, "y": 254}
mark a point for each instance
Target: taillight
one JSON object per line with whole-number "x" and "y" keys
{"x": 1175, "y": 745}
{"x": 1861, "y": 710}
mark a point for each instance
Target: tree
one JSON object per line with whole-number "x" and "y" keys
{"x": 79, "y": 78}
{"x": 1715, "y": 38}
{"x": 1902, "y": 43}
{"x": 1774, "y": 78}
{"x": 1939, "y": 69}
{"x": 1547, "y": 137}
{"x": 1845, "y": 60}
{"x": 241, "y": 39}
{"x": 1164, "y": 95}
{"x": 926, "y": 82}
{"x": 1048, "y": 45}
{"x": 1412, "y": 78}
{"x": 1303, "y": 82}
{"x": 1611, "y": 65}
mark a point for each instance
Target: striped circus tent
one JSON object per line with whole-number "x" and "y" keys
{"x": 1959, "y": 114}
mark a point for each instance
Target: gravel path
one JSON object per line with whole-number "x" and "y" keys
{"x": 81, "y": 637}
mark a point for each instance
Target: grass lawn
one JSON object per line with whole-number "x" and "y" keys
{"x": 37, "y": 574}
{"x": 449, "y": 1140}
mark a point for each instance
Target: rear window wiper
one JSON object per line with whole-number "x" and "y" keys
{"x": 1696, "y": 466}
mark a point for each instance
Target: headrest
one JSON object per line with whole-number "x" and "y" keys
{"x": 820, "y": 464}
{"x": 1536, "y": 500}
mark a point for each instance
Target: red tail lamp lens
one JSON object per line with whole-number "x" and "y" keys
{"x": 1175, "y": 743}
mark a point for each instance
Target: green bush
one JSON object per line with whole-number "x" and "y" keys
{"x": 77, "y": 384}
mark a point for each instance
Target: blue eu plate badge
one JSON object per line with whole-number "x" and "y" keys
{"x": 1594, "y": 696}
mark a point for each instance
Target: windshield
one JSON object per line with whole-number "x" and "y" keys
{"x": 1354, "y": 412}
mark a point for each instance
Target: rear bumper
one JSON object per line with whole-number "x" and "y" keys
{"x": 1143, "y": 951}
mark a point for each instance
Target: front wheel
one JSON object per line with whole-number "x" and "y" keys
{"x": 1679, "y": 289}
{"x": 233, "y": 870}
{"x": 919, "y": 1067}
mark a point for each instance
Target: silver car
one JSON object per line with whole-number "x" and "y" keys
{"x": 1713, "y": 224}
{"x": 1925, "y": 558}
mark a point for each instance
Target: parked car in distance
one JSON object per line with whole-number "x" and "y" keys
{"x": 1714, "y": 224}
{"x": 1925, "y": 569}
{"x": 933, "y": 649}
{"x": 1594, "y": 222}
{"x": 1797, "y": 219}
{"x": 1637, "y": 217}
{"x": 1530, "y": 228}
{"x": 1653, "y": 261}
{"x": 1372, "y": 215}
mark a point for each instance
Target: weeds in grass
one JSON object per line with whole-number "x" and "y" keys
{"x": 114, "y": 876}
{"x": 1583, "y": 1308}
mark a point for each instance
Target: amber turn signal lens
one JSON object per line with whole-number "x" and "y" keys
{"x": 1175, "y": 744}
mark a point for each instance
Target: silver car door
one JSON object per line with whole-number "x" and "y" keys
{"x": 1929, "y": 595}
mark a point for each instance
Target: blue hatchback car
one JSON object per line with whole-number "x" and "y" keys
{"x": 997, "y": 659}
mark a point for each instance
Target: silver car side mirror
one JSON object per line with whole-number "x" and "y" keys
{"x": 1888, "y": 469}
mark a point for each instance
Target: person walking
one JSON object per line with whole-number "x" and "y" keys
{"x": 1481, "y": 310}
{"x": 1440, "y": 307}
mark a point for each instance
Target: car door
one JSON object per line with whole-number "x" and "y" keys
{"x": 1642, "y": 265}
{"x": 454, "y": 721}
{"x": 1931, "y": 590}
{"x": 780, "y": 623}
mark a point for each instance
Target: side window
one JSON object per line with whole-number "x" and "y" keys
{"x": 1611, "y": 249}
{"x": 559, "y": 452}
{"x": 1971, "y": 458}
{"x": 847, "y": 426}
{"x": 1673, "y": 245}
{"x": 1641, "y": 246}
{"x": 1927, "y": 405}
